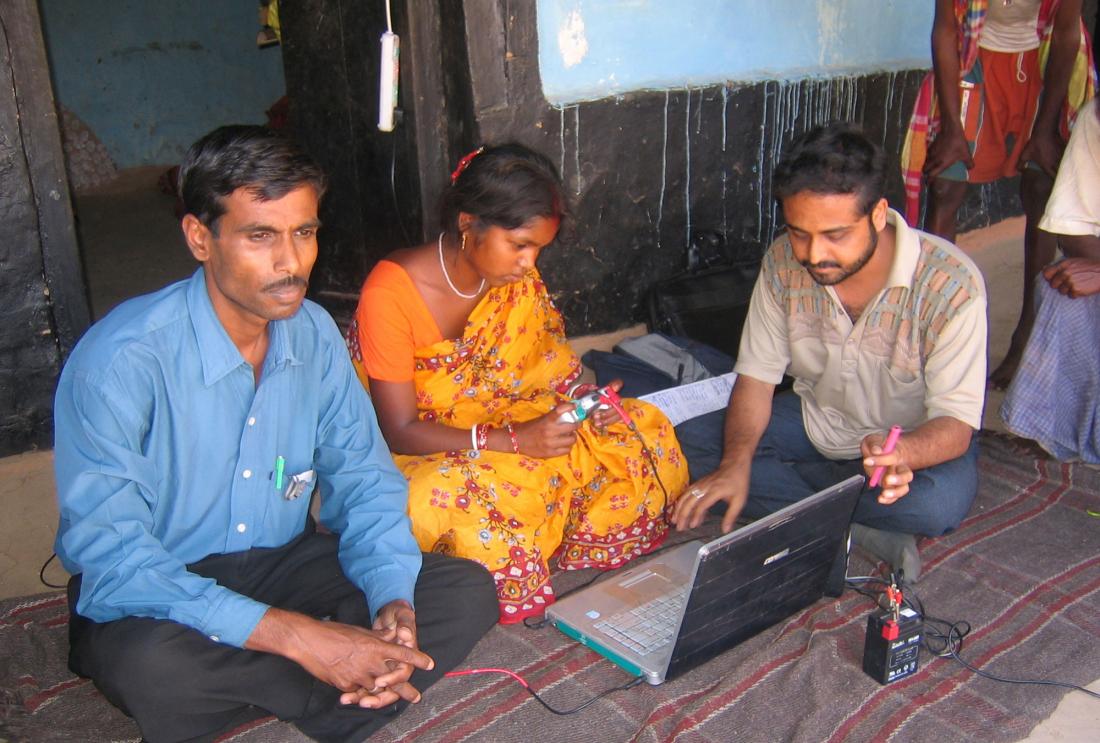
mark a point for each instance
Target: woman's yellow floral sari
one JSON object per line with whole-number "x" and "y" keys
{"x": 598, "y": 506}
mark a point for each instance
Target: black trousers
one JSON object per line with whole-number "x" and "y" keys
{"x": 179, "y": 685}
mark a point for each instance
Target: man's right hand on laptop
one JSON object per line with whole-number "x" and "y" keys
{"x": 729, "y": 483}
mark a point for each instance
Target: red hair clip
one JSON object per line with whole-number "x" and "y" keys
{"x": 464, "y": 163}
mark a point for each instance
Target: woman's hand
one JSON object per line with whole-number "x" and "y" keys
{"x": 603, "y": 417}
{"x": 548, "y": 435}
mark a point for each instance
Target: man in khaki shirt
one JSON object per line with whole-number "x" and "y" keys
{"x": 879, "y": 325}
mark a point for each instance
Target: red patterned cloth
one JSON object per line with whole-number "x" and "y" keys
{"x": 925, "y": 122}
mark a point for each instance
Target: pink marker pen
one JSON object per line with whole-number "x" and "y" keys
{"x": 891, "y": 440}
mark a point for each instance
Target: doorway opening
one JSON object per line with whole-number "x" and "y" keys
{"x": 135, "y": 84}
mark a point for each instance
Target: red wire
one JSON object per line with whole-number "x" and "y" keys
{"x": 610, "y": 397}
{"x": 505, "y": 671}
{"x": 472, "y": 671}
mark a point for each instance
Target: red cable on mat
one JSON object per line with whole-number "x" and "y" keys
{"x": 505, "y": 671}
{"x": 472, "y": 671}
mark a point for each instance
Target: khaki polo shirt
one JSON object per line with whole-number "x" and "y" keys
{"x": 916, "y": 353}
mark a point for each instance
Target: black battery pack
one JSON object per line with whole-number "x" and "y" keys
{"x": 891, "y": 650}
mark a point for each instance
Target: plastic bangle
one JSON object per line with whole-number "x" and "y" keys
{"x": 483, "y": 435}
{"x": 515, "y": 439}
{"x": 473, "y": 437}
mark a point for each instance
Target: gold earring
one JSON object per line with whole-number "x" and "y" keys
{"x": 463, "y": 247}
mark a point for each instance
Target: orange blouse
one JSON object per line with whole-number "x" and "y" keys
{"x": 392, "y": 321}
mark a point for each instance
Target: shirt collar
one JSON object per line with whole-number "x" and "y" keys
{"x": 280, "y": 350}
{"x": 906, "y": 251}
{"x": 217, "y": 353}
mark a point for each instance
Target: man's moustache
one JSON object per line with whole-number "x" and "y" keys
{"x": 289, "y": 281}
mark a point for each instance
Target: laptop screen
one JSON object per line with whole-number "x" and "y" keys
{"x": 751, "y": 578}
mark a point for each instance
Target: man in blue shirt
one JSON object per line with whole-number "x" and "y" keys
{"x": 192, "y": 426}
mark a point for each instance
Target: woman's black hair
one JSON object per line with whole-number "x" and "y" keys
{"x": 252, "y": 157}
{"x": 837, "y": 158}
{"x": 505, "y": 186}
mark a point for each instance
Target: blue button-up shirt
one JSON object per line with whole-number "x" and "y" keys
{"x": 166, "y": 453}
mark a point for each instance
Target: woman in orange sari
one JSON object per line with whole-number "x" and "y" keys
{"x": 467, "y": 364}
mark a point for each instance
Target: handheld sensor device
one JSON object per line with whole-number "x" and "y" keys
{"x": 602, "y": 399}
{"x": 584, "y": 406}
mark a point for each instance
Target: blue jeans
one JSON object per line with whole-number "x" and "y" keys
{"x": 787, "y": 468}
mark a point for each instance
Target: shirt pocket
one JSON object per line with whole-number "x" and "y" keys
{"x": 901, "y": 396}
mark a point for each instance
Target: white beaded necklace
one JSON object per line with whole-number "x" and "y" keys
{"x": 448, "y": 277}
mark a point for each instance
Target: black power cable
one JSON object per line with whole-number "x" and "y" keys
{"x": 42, "y": 572}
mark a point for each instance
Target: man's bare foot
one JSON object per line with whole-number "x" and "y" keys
{"x": 1003, "y": 374}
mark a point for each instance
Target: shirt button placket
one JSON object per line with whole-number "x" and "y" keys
{"x": 240, "y": 527}
{"x": 246, "y": 473}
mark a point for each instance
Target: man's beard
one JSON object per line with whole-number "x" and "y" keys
{"x": 851, "y": 268}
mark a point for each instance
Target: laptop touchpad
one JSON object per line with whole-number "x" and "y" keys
{"x": 641, "y": 584}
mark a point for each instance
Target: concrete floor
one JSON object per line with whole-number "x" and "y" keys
{"x": 130, "y": 238}
{"x": 132, "y": 245}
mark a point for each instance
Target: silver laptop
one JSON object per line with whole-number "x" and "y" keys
{"x": 694, "y": 601}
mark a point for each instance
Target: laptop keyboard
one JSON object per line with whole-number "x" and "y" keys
{"x": 648, "y": 627}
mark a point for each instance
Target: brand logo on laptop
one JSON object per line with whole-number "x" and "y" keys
{"x": 777, "y": 556}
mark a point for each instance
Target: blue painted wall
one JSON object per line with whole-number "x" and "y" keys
{"x": 151, "y": 76}
{"x": 591, "y": 49}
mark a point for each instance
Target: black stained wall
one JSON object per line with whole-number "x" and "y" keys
{"x": 29, "y": 358}
{"x": 44, "y": 308}
{"x": 645, "y": 170}
{"x": 331, "y": 62}
{"x": 648, "y": 169}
